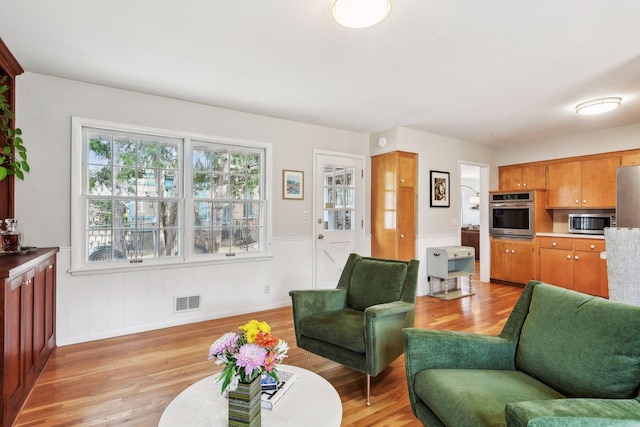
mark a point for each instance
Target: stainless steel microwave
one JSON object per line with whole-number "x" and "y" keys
{"x": 511, "y": 214}
{"x": 590, "y": 223}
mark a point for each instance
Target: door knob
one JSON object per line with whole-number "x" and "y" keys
{"x": 320, "y": 236}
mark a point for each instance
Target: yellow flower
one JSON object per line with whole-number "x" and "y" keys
{"x": 253, "y": 328}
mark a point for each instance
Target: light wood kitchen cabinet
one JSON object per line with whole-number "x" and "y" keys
{"x": 512, "y": 260}
{"x": 393, "y": 205}
{"x": 630, "y": 159}
{"x": 583, "y": 184}
{"x": 28, "y": 324}
{"x": 574, "y": 263}
{"x": 522, "y": 177}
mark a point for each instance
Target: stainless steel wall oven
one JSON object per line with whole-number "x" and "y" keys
{"x": 511, "y": 214}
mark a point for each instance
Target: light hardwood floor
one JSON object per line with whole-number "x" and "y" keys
{"x": 128, "y": 381}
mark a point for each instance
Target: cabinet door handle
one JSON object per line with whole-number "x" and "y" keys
{"x": 568, "y": 256}
{"x": 592, "y": 246}
{"x": 27, "y": 283}
{"x": 402, "y": 180}
{"x": 402, "y": 236}
{"x": 524, "y": 184}
{"x": 507, "y": 251}
{"x": 50, "y": 267}
{"x": 554, "y": 244}
{"x": 513, "y": 251}
{"x": 577, "y": 201}
{"x": 576, "y": 257}
{"x": 584, "y": 201}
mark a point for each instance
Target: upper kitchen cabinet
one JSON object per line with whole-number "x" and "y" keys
{"x": 632, "y": 159}
{"x": 531, "y": 177}
{"x": 393, "y": 205}
{"x": 584, "y": 184}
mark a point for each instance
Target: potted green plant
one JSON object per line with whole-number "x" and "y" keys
{"x": 13, "y": 155}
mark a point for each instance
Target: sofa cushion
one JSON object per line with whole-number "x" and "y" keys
{"x": 573, "y": 412}
{"x": 582, "y": 346}
{"x": 476, "y": 397}
{"x": 375, "y": 282}
{"x": 344, "y": 328}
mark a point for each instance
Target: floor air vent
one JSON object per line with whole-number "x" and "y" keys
{"x": 189, "y": 303}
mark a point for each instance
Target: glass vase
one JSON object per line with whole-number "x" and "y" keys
{"x": 244, "y": 404}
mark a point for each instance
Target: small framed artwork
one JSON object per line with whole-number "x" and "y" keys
{"x": 439, "y": 189}
{"x": 292, "y": 184}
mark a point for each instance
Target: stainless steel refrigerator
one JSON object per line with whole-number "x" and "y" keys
{"x": 628, "y": 197}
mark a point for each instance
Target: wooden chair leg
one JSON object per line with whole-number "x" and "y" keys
{"x": 368, "y": 390}
{"x": 305, "y": 360}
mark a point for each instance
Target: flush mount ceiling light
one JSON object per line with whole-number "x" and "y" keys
{"x": 597, "y": 106}
{"x": 359, "y": 13}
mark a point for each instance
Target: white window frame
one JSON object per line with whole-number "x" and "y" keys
{"x": 79, "y": 264}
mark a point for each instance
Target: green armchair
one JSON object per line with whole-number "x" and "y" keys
{"x": 359, "y": 324}
{"x": 562, "y": 359}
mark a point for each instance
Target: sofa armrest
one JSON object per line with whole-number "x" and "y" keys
{"x": 438, "y": 349}
{"x": 389, "y": 309}
{"x": 383, "y": 332}
{"x": 574, "y": 412}
{"x": 309, "y": 302}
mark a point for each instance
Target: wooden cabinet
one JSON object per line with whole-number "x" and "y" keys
{"x": 393, "y": 205}
{"x": 9, "y": 68}
{"x": 512, "y": 260}
{"x": 630, "y": 159}
{"x": 28, "y": 324}
{"x": 471, "y": 238}
{"x": 574, "y": 263}
{"x": 583, "y": 183}
{"x": 522, "y": 178}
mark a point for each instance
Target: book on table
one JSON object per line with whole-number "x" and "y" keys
{"x": 286, "y": 380}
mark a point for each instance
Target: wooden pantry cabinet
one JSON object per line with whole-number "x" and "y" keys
{"x": 512, "y": 260}
{"x": 583, "y": 184}
{"x": 574, "y": 263}
{"x": 514, "y": 178}
{"x": 28, "y": 324}
{"x": 393, "y": 205}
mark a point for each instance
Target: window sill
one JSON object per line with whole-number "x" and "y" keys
{"x": 126, "y": 267}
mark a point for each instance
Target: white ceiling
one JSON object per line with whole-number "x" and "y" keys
{"x": 496, "y": 72}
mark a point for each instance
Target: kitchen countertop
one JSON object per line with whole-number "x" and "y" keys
{"x": 572, "y": 235}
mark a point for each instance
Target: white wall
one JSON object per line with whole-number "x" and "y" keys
{"x": 602, "y": 141}
{"x": 104, "y": 305}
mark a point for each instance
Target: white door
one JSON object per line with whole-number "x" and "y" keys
{"x": 338, "y": 199}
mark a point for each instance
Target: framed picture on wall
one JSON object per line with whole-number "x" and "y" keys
{"x": 439, "y": 189}
{"x": 292, "y": 184}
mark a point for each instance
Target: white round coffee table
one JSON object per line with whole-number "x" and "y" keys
{"x": 311, "y": 401}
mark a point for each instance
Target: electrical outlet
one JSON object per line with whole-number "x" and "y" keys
{"x": 306, "y": 215}
{"x": 267, "y": 289}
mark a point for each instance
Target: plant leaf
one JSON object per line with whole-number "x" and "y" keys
{"x": 25, "y": 166}
{"x": 3, "y": 173}
{"x": 19, "y": 174}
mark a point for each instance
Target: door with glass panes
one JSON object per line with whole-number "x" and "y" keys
{"x": 338, "y": 214}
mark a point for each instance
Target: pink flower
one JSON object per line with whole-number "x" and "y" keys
{"x": 251, "y": 357}
{"x": 226, "y": 343}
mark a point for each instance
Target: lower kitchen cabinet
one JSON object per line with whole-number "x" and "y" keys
{"x": 574, "y": 263}
{"x": 512, "y": 260}
{"x": 28, "y": 324}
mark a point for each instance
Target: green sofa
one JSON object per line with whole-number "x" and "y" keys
{"x": 563, "y": 358}
{"x": 359, "y": 324}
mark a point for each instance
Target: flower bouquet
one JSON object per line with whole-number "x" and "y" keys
{"x": 246, "y": 354}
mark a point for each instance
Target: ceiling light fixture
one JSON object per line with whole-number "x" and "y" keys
{"x": 359, "y": 13}
{"x": 597, "y": 106}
